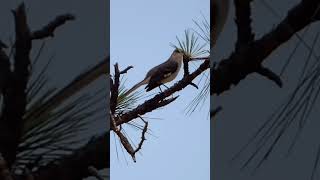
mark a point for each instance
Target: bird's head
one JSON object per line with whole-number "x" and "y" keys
{"x": 178, "y": 54}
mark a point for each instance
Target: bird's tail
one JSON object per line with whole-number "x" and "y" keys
{"x": 145, "y": 81}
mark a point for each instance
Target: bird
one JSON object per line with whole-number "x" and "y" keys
{"x": 162, "y": 73}
{"x": 219, "y": 15}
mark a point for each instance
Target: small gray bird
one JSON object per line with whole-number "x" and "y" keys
{"x": 162, "y": 73}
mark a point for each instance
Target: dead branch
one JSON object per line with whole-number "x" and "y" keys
{"x": 113, "y": 103}
{"x": 48, "y": 30}
{"x": 126, "y": 70}
{"x": 14, "y": 95}
{"x": 214, "y": 112}
{"x": 14, "y": 87}
{"x": 243, "y": 22}
{"x": 124, "y": 140}
{"x": 115, "y": 89}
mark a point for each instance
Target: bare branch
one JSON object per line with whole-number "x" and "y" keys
{"x": 115, "y": 89}
{"x": 243, "y": 22}
{"x": 124, "y": 140}
{"x": 48, "y": 30}
{"x": 214, "y": 112}
{"x": 126, "y": 70}
{"x": 14, "y": 93}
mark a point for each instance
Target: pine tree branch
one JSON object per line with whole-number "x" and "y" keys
{"x": 160, "y": 100}
{"x": 243, "y": 22}
{"x": 248, "y": 59}
{"x": 14, "y": 90}
{"x": 14, "y": 94}
{"x": 48, "y": 30}
{"x": 80, "y": 82}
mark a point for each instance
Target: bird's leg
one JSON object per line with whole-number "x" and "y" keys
{"x": 160, "y": 88}
{"x": 165, "y": 86}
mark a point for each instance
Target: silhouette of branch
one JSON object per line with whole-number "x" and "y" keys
{"x": 14, "y": 95}
{"x": 243, "y": 22}
{"x": 48, "y": 30}
{"x": 4, "y": 68}
{"x": 124, "y": 140}
{"x": 115, "y": 89}
{"x": 214, "y": 112}
{"x": 248, "y": 59}
{"x": 14, "y": 87}
{"x": 213, "y": 23}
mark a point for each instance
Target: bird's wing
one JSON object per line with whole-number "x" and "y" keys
{"x": 160, "y": 73}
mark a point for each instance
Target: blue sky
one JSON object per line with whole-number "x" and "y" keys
{"x": 179, "y": 147}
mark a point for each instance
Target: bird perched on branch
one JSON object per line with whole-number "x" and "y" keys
{"x": 161, "y": 74}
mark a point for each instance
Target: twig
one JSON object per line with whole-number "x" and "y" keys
{"x": 48, "y": 30}
{"x": 214, "y": 112}
{"x": 126, "y": 70}
{"x": 143, "y": 137}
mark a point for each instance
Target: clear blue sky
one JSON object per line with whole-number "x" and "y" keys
{"x": 141, "y": 32}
